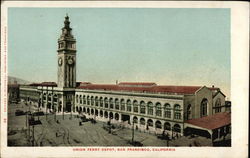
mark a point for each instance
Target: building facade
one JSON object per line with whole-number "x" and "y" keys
{"x": 144, "y": 106}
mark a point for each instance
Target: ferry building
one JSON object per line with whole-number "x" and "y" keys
{"x": 146, "y": 106}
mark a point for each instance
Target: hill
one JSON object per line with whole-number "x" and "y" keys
{"x": 12, "y": 80}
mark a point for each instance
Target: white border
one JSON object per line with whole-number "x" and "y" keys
{"x": 239, "y": 81}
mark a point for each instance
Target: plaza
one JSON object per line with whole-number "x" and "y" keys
{"x": 68, "y": 132}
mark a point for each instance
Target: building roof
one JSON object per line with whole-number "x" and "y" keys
{"x": 44, "y": 84}
{"x": 144, "y": 87}
{"x": 13, "y": 85}
{"x": 213, "y": 121}
{"x": 137, "y": 84}
{"x": 218, "y": 93}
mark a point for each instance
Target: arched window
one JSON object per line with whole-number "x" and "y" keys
{"x": 101, "y": 102}
{"x": 84, "y": 99}
{"x": 105, "y": 114}
{"x": 167, "y": 126}
{"x": 167, "y": 110}
{"x": 92, "y": 100}
{"x": 158, "y": 124}
{"x": 150, "y": 108}
{"x": 111, "y": 103}
{"x": 96, "y": 101}
{"x": 135, "y": 119}
{"x": 142, "y": 121}
{"x": 177, "y": 111}
{"x": 88, "y": 100}
{"x": 204, "y": 105}
{"x": 135, "y": 106}
{"x": 117, "y": 104}
{"x": 158, "y": 109}
{"x": 77, "y": 100}
{"x": 142, "y": 107}
{"x": 122, "y": 105}
{"x": 116, "y": 116}
{"x": 150, "y": 122}
{"x": 106, "y": 103}
{"x": 177, "y": 128}
{"x": 101, "y": 113}
{"x": 218, "y": 105}
{"x": 128, "y": 105}
{"x": 111, "y": 115}
{"x": 80, "y": 99}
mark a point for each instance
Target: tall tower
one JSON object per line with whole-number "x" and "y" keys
{"x": 66, "y": 74}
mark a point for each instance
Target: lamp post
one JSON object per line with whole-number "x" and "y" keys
{"x": 63, "y": 105}
{"x": 46, "y": 108}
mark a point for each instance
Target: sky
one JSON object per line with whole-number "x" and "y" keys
{"x": 168, "y": 46}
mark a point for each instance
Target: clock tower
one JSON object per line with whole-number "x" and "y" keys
{"x": 66, "y": 76}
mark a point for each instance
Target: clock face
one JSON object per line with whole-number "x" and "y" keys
{"x": 60, "y": 61}
{"x": 71, "y": 61}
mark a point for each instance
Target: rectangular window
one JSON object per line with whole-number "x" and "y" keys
{"x": 135, "y": 109}
{"x": 177, "y": 115}
{"x": 123, "y": 107}
{"x": 128, "y": 108}
{"x": 150, "y": 111}
{"x": 168, "y": 114}
{"x": 158, "y": 113}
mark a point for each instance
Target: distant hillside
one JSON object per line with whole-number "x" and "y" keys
{"x": 12, "y": 80}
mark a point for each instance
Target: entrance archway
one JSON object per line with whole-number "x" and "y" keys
{"x": 106, "y": 114}
{"x": 158, "y": 124}
{"x": 68, "y": 107}
{"x": 111, "y": 115}
{"x": 116, "y": 116}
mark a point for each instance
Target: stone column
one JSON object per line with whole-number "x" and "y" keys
{"x": 154, "y": 110}
{"x": 46, "y": 104}
{"x": 120, "y": 117}
{"x": 162, "y": 112}
{"x": 132, "y": 107}
{"x": 172, "y": 114}
{"x": 139, "y": 108}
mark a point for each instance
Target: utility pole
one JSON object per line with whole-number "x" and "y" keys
{"x": 71, "y": 108}
{"x": 52, "y": 101}
{"x": 133, "y": 130}
{"x": 39, "y": 103}
{"x": 29, "y": 127}
{"x": 33, "y": 135}
{"x": 63, "y": 106}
